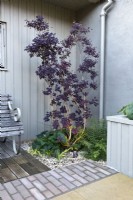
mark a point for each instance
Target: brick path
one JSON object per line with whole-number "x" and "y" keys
{"x": 47, "y": 185}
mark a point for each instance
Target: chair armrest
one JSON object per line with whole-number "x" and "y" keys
{"x": 16, "y": 112}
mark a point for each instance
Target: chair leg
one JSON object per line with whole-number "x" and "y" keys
{"x": 15, "y": 148}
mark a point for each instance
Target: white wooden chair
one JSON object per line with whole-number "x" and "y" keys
{"x": 10, "y": 124}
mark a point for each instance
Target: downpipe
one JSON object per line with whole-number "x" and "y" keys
{"x": 103, "y": 14}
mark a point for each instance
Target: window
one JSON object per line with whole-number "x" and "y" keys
{"x": 2, "y": 45}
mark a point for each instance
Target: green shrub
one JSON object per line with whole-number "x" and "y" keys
{"x": 128, "y": 111}
{"x": 51, "y": 143}
{"x": 56, "y": 143}
{"x": 94, "y": 141}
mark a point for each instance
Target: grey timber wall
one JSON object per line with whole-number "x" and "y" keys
{"x": 90, "y": 17}
{"x": 20, "y": 79}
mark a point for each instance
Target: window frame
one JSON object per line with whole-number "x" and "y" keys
{"x": 3, "y": 46}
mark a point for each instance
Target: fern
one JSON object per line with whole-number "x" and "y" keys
{"x": 94, "y": 142}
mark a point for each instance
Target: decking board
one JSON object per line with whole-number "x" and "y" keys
{"x": 13, "y": 166}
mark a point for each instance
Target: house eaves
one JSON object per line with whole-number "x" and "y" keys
{"x": 74, "y": 5}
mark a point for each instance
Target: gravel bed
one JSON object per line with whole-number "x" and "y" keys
{"x": 53, "y": 163}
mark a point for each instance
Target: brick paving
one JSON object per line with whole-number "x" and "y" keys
{"x": 50, "y": 184}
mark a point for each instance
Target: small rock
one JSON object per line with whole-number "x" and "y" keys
{"x": 52, "y": 163}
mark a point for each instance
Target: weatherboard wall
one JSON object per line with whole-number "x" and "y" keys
{"x": 120, "y": 144}
{"x": 20, "y": 79}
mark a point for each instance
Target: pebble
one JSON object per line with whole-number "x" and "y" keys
{"x": 53, "y": 163}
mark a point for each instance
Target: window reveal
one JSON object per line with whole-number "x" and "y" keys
{"x": 2, "y": 44}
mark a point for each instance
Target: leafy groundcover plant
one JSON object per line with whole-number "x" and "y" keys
{"x": 128, "y": 111}
{"x": 68, "y": 91}
{"x": 94, "y": 143}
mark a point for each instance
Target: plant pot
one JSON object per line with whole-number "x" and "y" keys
{"x": 120, "y": 144}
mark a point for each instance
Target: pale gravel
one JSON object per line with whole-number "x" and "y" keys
{"x": 53, "y": 163}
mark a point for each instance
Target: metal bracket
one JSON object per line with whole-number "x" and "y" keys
{"x": 16, "y": 112}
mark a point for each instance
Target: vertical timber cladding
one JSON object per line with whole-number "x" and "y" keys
{"x": 20, "y": 80}
{"x": 120, "y": 144}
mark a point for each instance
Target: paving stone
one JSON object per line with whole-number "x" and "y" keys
{"x": 55, "y": 174}
{"x": 89, "y": 163}
{"x": 63, "y": 188}
{"x": 77, "y": 183}
{"x": 67, "y": 183}
{"x": 45, "y": 174}
{"x": 17, "y": 196}
{"x": 79, "y": 178}
{"x": 1, "y": 187}
{"x": 16, "y": 183}
{"x": 77, "y": 171}
{"x": 48, "y": 194}
{"x": 65, "y": 175}
{"x": 90, "y": 169}
{"x": 92, "y": 175}
{"x": 54, "y": 181}
{"x": 90, "y": 179}
{"x": 30, "y": 198}
{"x": 39, "y": 185}
{"x": 23, "y": 191}
{"x": 79, "y": 167}
{"x": 41, "y": 178}
{"x": 82, "y": 164}
{"x": 112, "y": 171}
{"x": 65, "y": 169}
{"x": 59, "y": 170}
{"x": 26, "y": 183}
{"x": 4, "y": 195}
{"x": 52, "y": 188}
{"x": 36, "y": 193}
{"x": 103, "y": 167}
{"x": 103, "y": 171}
{"x": 101, "y": 175}
{"x": 71, "y": 167}
{"x": 10, "y": 188}
{"x": 31, "y": 178}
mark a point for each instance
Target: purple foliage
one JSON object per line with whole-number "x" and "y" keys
{"x": 68, "y": 91}
{"x": 66, "y": 123}
{"x": 78, "y": 29}
{"x": 56, "y": 124}
{"x": 39, "y": 24}
{"x": 74, "y": 131}
{"x": 94, "y": 101}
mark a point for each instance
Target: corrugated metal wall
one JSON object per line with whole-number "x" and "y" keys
{"x": 20, "y": 80}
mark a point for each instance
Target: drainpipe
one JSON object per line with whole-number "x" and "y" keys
{"x": 103, "y": 14}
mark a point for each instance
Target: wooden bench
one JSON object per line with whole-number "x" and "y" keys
{"x": 10, "y": 124}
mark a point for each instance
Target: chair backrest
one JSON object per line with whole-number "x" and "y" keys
{"x": 8, "y": 126}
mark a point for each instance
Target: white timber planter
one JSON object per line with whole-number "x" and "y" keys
{"x": 120, "y": 144}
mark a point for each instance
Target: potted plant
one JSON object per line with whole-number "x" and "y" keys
{"x": 120, "y": 141}
{"x": 128, "y": 111}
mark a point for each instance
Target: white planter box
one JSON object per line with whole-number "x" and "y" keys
{"x": 120, "y": 144}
